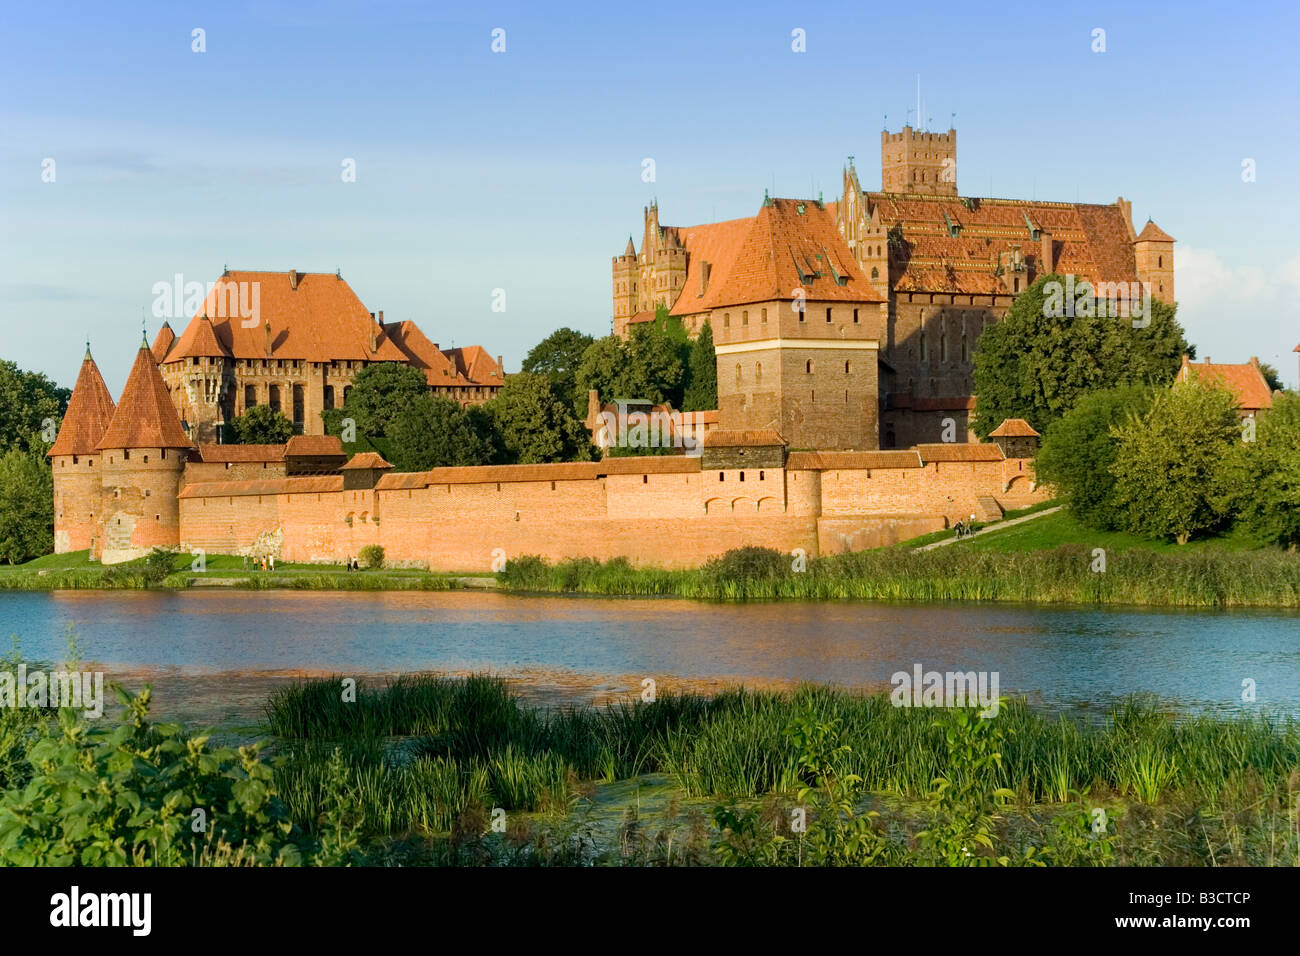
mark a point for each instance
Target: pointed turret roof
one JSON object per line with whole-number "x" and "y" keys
{"x": 204, "y": 343}
{"x": 631, "y": 249}
{"x": 89, "y": 411}
{"x": 1153, "y": 233}
{"x": 163, "y": 343}
{"x": 145, "y": 416}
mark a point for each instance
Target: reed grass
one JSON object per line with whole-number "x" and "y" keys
{"x": 1200, "y": 578}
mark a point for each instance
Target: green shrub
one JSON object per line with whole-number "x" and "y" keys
{"x": 372, "y": 556}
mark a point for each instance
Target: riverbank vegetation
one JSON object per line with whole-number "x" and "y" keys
{"x": 430, "y": 770}
{"x": 1069, "y": 574}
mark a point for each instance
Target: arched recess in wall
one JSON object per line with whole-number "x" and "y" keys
{"x": 717, "y": 506}
{"x": 744, "y": 506}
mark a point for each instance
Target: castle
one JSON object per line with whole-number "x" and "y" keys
{"x": 128, "y": 478}
{"x": 853, "y": 324}
{"x": 299, "y": 353}
{"x": 845, "y": 334}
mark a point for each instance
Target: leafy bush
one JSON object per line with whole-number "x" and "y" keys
{"x": 145, "y": 794}
{"x": 744, "y": 566}
{"x": 372, "y": 556}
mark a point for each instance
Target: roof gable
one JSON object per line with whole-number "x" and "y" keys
{"x": 90, "y": 410}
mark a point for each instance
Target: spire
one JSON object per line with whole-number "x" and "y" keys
{"x": 145, "y": 417}
{"x": 90, "y": 409}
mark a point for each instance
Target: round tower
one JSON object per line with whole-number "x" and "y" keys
{"x": 75, "y": 461}
{"x": 142, "y": 463}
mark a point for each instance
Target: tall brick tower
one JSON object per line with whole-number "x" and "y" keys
{"x": 75, "y": 459}
{"x": 915, "y": 162}
{"x": 1153, "y": 254}
{"x": 142, "y": 459}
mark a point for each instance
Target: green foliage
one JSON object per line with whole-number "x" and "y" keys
{"x": 701, "y": 392}
{"x": 747, "y": 566}
{"x": 536, "y": 422}
{"x": 372, "y": 556}
{"x": 27, "y": 399}
{"x": 128, "y": 795}
{"x": 1260, "y": 479}
{"x": 1078, "y": 451}
{"x": 433, "y": 432}
{"x": 379, "y": 394}
{"x": 1271, "y": 376}
{"x": 26, "y": 504}
{"x": 1034, "y": 366}
{"x": 262, "y": 425}
{"x": 1167, "y": 462}
{"x": 557, "y": 357}
{"x": 648, "y": 367}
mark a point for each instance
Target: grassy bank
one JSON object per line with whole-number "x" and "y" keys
{"x": 75, "y": 571}
{"x": 1199, "y": 577}
{"x": 427, "y": 760}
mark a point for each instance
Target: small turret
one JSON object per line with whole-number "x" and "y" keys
{"x": 142, "y": 461}
{"x": 75, "y": 460}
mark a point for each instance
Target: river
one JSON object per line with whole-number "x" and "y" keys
{"x": 215, "y": 654}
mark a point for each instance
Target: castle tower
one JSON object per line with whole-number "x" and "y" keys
{"x": 625, "y": 284}
{"x": 142, "y": 459}
{"x": 1153, "y": 253}
{"x": 75, "y": 460}
{"x": 914, "y": 162}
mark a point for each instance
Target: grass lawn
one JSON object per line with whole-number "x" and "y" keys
{"x": 1062, "y": 528}
{"x": 934, "y": 536}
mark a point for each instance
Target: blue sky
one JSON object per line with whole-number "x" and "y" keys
{"x": 522, "y": 170}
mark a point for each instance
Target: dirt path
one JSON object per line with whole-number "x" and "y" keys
{"x": 990, "y": 529}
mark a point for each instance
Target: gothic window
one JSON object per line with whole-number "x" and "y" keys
{"x": 726, "y": 320}
{"x": 828, "y": 313}
{"x": 738, "y": 374}
{"x": 875, "y": 273}
{"x": 808, "y": 367}
{"x": 764, "y": 315}
{"x": 744, "y": 318}
{"x": 758, "y": 372}
{"x": 1160, "y": 262}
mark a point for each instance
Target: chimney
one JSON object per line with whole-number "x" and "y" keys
{"x": 373, "y": 341}
{"x": 381, "y": 316}
{"x": 501, "y": 365}
{"x": 705, "y": 269}
{"x": 1045, "y": 251}
{"x": 267, "y": 329}
{"x": 293, "y": 279}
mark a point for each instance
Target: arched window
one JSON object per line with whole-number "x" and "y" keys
{"x": 250, "y": 396}
{"x": 738, "y": 377}
{"x": 875, "y": 274}
{"x": 846, "y": 368}
{"x": 1160, "y": 262}
{"x": 808, "y": 366}
{"x": 758, "y": 372}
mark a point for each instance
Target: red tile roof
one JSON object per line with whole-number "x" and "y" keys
{"x": 952, "y": 451}
{"x": 1246, "y": 382}
{"x": 733, "y": 439}
{"x": 90, "y": 409}
{"x": 213, "y": 453}
{"x": 162, "y": 343}
{"x": 145, "y": 416}
{"x": 366, "y": 459}
{"x": 790, "y": 244}
{"x": 1153, "y": 233}
{"x": 314, "y": 446}
{"x": 649, "y": 465}
{"x": 834, "y": 460}
{"x": 1090, "y": 241}
{"x": 423, "y": 354}
{"x": 322, "y": 320}
{"x": 1014, "y": 428}
{"x": 269, "y": 486}
{"x": 475, "y": 366}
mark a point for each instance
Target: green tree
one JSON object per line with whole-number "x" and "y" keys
{"x": 1168, "y": 462}
{"x": 1271, "y": 376}
{"x": 701, "y": 393}
{"x": 1078, "y": 451}
{"x": 557, "y": 357}
{"x": 535, "y": 422}
{"x": 27, "y": 400}
{"x": 435, "y": 432}
{"x": 26, "y": 505}
{"x": 1035, "y": 365}
{"x": 379, "y": 393}
{"x": 1260, "y": 479}
{"x": 262, "y": 425}
{"x": 648, "y": 366}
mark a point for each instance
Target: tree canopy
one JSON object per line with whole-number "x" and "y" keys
{"x": 26, "y": 505}
{"x": 557, "y": 357}
{"x": 536, "y": 422}
{"x": 378, "y": 394}
{"x": 701, "y": 392}
{"x": 1168, "y": 462}
{"x": 1260, "y": 480}
{"x": 1035, "y": 365}
{"x": 27, "y": 401}
{"x": 262, "y": 425}
{"x": 435, "y": 432}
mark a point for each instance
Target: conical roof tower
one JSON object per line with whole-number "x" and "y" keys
{"x": 90, "y": 409}
{"x": 145, "y": 416}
